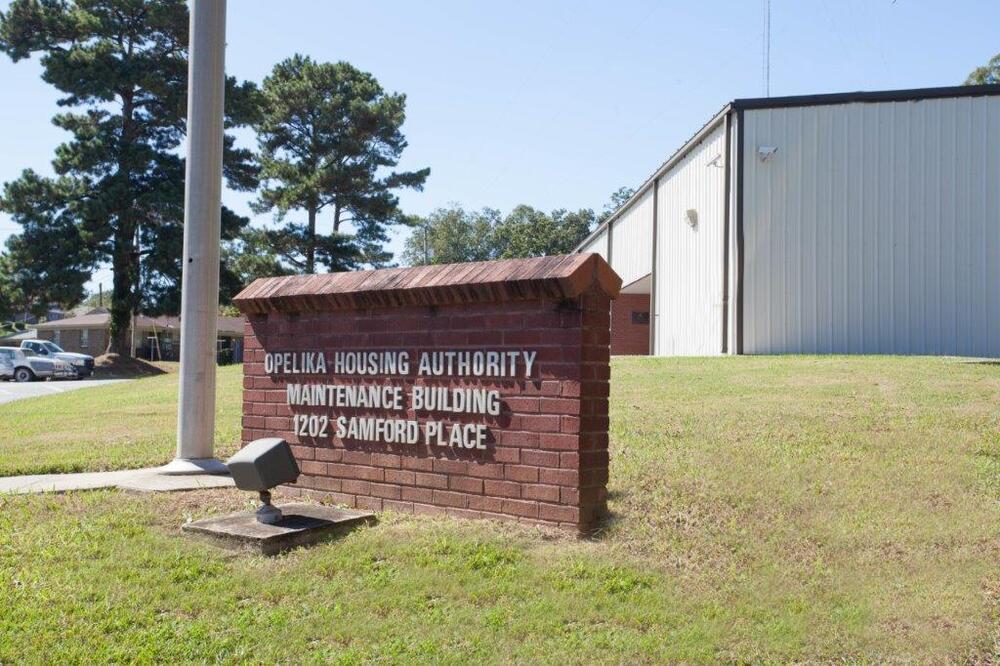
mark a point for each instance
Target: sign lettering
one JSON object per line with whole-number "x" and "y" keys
{"x": 399, "y": 428}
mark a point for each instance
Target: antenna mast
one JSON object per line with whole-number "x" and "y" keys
{"x": 767, "y": 48}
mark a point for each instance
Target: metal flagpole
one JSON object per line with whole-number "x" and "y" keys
{"x": 202, "y": 227}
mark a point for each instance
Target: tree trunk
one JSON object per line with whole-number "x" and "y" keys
{"x": 311, "y": 241}
{"x": 119, "y": 341}
{"x": 123, "y": 256}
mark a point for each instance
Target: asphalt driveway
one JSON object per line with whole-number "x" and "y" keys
{"x": 10, "y": 391}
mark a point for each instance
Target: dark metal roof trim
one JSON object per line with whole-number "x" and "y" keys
{"x": 860, "y": 96}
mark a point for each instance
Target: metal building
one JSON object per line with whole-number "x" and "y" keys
{"x": 861, "y": 223}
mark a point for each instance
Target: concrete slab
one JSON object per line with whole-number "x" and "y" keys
{"x": 139, "y": 480}
{"x": 58, "y": 483}
{"x": 10, "y": 391}
{"x": 160, "y": 483}
{"x": 301, "y": 525}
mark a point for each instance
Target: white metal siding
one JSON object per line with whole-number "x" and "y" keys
{"x": 689, "y": 259}
{"x": 874, "y": 229}
{"x": 631, "y": 234}
{"x": 598, "y": 244}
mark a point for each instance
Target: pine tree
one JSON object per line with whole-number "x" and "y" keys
{"x": 328, "y": 133}
{"x": 121, "y": 66}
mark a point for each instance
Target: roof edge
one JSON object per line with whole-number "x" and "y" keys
{"x": 676, "y": 157}
{"x": 871, "y": 97}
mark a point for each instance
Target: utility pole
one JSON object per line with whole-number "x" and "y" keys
{"x": 202, "y": 228}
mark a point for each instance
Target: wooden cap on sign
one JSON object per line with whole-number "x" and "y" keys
{"x": 563, "y": 276}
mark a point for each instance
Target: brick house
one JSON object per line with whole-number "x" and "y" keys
{"x": 156, "y": 338}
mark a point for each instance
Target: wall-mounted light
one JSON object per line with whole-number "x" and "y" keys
{"x": 766, "y": 152}
{"x": 691, "y": 217}
{"x": 716, "y": 162}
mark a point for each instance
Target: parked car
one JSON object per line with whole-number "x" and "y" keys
{"x": 83, "y": 364}
{"x": 6, "y": 368}
{"x": 28, "y": 366}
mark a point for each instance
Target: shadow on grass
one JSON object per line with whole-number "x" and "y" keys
{"x": 607, "y": 520}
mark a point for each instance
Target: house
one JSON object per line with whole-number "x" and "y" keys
{"x": 155, "y": 338}
{"x": 51, "y": 314}
{"x": 859, "y": 223}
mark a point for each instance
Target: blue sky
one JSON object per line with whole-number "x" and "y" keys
{"x": 558, "y": 103}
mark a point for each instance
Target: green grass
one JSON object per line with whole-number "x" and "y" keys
{"x": 764, "y": 509}
{"x": 120, "y": 426}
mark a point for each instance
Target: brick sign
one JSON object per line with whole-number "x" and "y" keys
{"x": 476, "y": 390}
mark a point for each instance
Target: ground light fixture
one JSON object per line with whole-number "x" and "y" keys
{"x": 261, "y": 465}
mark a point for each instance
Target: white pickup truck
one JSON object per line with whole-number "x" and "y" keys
{"x": 28, "y": 366}
{"x": 83, "y": 364}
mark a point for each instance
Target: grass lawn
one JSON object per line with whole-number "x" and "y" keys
{"x": 119, "y": 426}
{"x": 805, "y": 509}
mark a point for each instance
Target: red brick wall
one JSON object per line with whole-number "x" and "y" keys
{"x": 628, "y": 338}
{"x": 547, "y": 459}
{"x": 70, "y": 339}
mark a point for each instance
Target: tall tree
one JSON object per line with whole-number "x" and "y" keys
{"x": 450, "y": 235}
{"x": 47, "y": 263}
{"x": 988, "y": 73}
{"x": 454, "y": 235}
{"x": 8, "y": 296}
{"x": 528, "y": 232}
{"x": 15, "y": 302}
{"x": 122, "y": 67}
{"x": 247, "y": 258}
{"x": 329, "y": 137}
{"x": 617, "y": 200}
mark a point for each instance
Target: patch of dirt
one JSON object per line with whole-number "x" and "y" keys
{"x": 115, "y": 366}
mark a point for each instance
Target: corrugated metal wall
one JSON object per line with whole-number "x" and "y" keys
{"x": 689, "y": 258}
{"x": 598, "y": 244}
{"x": 631, "y": 251}
{"x": 875, "y": 228}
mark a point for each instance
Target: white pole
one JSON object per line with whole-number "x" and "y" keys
{"x": 202, "y": 228}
